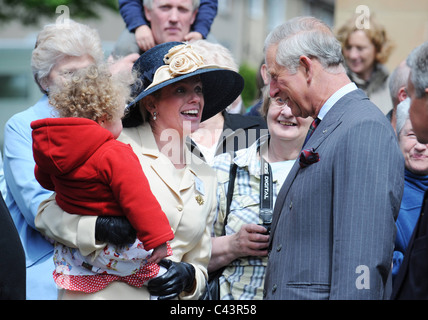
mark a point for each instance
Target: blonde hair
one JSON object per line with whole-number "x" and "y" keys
{"x": 61, "y": 40}
{"x": 91, "y": 93}
{"x": 376, "y": 33}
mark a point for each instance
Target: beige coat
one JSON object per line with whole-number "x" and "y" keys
{"x": 188, "y": 198}
{"x": 376, "y": 88}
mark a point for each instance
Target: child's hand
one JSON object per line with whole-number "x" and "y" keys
{"x": 144, "y": 37}
{"x": 193, "y": 36}
{"x": 158, "y": 254}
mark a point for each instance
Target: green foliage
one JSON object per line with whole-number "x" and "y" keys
{"x": 249, "y": 94}
{"x": 30, "y": 12}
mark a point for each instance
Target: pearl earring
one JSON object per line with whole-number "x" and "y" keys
{"x": 155, "y": 115}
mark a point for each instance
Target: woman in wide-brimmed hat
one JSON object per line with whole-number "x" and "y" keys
{"x": 174, "y": 91}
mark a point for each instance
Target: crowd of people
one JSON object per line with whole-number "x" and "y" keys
{"x": 132, "y": 178}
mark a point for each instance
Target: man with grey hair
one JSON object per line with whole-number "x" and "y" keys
{"x": 418, "y": 91}
{"x": 333, "y": 223}
{"x": 398, "y": 89}
{"x": 152, "y": 22}
{"x": 412, "y": 279}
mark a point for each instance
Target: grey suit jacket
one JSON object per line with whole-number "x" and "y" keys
{"x": 333, "y": 228}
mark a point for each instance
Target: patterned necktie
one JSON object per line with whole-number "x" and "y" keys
{"x": 312, "y": 128}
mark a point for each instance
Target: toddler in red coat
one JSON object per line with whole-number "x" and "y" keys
{"x": 77, "y": 155}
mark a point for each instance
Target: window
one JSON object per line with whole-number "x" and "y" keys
{"x": 256, "y": 9}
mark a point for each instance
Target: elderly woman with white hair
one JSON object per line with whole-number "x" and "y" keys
{"x": 415, "y": 184}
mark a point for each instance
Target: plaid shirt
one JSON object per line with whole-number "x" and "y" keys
{"x": 243, "y": 279}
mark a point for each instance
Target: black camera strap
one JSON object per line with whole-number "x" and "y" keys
{"x": 266, "y": 193}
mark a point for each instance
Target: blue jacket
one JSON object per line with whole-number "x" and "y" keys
{"x": 411, "y": 203}
{"x": 23, "y": 197}
{"x": 133, "y": 14}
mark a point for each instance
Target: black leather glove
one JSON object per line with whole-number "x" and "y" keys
{"x": 179, "y": 277}
{"x": 114, "y": 230}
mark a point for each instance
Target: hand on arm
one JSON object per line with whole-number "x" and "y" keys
{"x": 114, "y": 230}
{"x": 249, "y": 241}
{"x": 87, "y": 233}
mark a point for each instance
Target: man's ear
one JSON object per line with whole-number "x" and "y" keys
{"x": 147, "y": 13}
{"x": 264, "y": 74}
{"x": 402, "y": 94}
{"x": 194, "y": 16}
{"x": 307, "y": 67}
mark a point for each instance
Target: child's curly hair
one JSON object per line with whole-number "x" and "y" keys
{"x": 91, "y": 93}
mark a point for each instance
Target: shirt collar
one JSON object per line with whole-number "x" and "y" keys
{"x": 336, "y": 97}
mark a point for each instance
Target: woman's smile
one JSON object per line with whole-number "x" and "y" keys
{"x": 192, "y": 113}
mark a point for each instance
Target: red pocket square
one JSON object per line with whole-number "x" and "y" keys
{"x": 308, "y": 157}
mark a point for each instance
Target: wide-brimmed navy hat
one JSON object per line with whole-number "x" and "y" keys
{"x": 171, "y": 62}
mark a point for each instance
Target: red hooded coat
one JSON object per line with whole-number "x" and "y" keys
{"x": 94, "y": 174}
